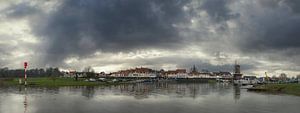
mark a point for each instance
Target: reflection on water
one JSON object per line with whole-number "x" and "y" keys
{"x": 144, "y": 97}
{"x": 25, "y": 101}
{"x": 237, "y": 93}
{"x": 88, "y": 91}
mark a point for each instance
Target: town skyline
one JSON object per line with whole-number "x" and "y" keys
{"x": 192, "y": 71}
{"x": 114, "y": 35}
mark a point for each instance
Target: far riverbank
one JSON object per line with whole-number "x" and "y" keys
{"x": 53, "y": 82}
{"x": 292, "y": 89}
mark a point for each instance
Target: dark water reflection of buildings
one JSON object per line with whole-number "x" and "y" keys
{"x": 144, "y": 97}
{"x": 144, "y": 90}
{"x": 88, "y": 91}
{"x": 140, "y": 90}
{"x": 179, "y": 90}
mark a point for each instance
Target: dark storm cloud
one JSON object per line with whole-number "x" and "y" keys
{"x": 279, "y": 34}
{"x": 21, "y": 10}
{"x": 79, "y": 28}
{"x": 274, "y": 31}
{"x": 265, "y": 25}
{"x": 82, "y": 27}
{"x": 218, "y": 10}
{"x": 204, "y": 65}
{"x": 294, "y": 4}
{"x": 186, "y": 63}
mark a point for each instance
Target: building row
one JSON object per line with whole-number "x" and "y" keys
{"x": 137, "y": 72}
{"x": 182, "y": 73}
{"x": 150, "y": 73}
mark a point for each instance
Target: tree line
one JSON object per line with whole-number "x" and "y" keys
{"x": 47, "y": 72}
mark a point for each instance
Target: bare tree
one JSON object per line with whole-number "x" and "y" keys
{"x": 89, "y": 71}
{"x": 283, "y": 76}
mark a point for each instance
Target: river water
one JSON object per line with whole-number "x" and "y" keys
{"x": 145, "y": 98}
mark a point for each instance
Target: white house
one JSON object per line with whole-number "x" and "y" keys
{"x": 178, "y": 73}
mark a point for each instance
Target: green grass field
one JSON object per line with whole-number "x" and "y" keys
{"x": 293, "y": 89}
{"x": 45, "y": 81}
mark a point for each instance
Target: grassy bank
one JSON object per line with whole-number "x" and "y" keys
{"x": 293, "y": 89}
{"x": 44, "y": 81}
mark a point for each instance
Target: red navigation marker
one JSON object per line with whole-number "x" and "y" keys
{"x": 25, "y": 65}
{"x": 25, "y": 76}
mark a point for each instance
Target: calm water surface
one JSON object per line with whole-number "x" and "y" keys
{"x": 145, "y": 98}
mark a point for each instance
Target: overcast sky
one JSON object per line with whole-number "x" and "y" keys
{"x": 109, "y": 35}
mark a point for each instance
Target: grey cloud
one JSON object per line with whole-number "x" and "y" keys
{"x": 275, "y": 34}
{"x": 218, "y": 10}
{"x": 21, "y": 10}
{"x": 294, "y": 4}
{"x": 79, "y": 28}
{"x": 180, "y": 62}
{"x": 85, "y": 26}
{"x": 262, "y": 25}
{"x": 202, "y": 65}
{"x": 274, "y": 29}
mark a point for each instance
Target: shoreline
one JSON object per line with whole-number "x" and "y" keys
{"x": 57, "y": 82}
{"x": 54, "y": 82}
{"x": 291, "y": 89}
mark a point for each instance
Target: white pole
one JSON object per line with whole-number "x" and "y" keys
{"x": 25, "y": 76}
